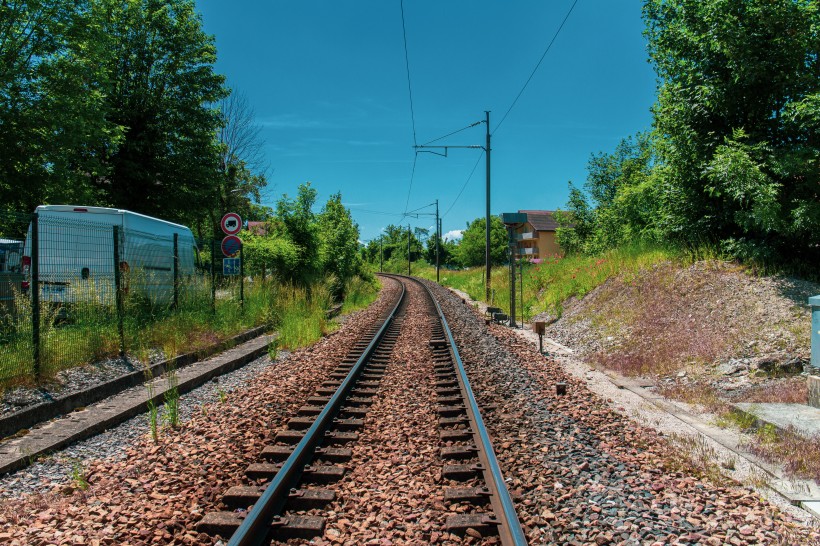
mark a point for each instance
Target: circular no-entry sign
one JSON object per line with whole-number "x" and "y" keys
{"x": 231, "y": 223}
{"x": 231, "y": 245}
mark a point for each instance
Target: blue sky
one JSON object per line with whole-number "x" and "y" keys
{"x": 329, "y": 86}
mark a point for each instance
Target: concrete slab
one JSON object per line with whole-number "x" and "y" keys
{"x": 19, "y": 452}
{"x": 805, "y": 419}
{"x": 812, "y": 507}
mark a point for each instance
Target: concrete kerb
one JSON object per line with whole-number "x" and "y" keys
{"x": 19, "y": 452}
{"x": 60, "y": 405}
{"x": 802, "y": 493}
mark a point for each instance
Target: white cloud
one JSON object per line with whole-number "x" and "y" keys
{"x": 453, "y": 235}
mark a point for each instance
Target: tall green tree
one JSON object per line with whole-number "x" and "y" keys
{"x": 162, "y": 91}
{"x": 738, "y": 116}
{"x": 472, "y": 249}
{"x": 339, "y": 237}
{"x": 52, "y": 102}
{"x": 619, "y": 202}
{"x": 296, "y": 220}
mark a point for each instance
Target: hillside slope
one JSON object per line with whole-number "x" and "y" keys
{"x": 708, "y": 331}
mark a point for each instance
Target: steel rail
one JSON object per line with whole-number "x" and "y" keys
{"x": 256, "y": 526}
{"x": 509, "y": 531}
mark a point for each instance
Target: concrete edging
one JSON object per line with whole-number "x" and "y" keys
{"x": 20, "y": 453}
{"x": 26, "y": 418}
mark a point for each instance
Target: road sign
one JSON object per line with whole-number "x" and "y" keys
{"x": 231, "y": 223}
{"x": 230, "y": 266}
{"x": 231, "y": 245}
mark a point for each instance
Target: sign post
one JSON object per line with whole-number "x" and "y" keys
{"x": 231, "y": 245}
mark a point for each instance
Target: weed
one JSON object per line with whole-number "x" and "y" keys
{"x": 77, "y": 475}
{"x": 223, "y": 396}
{"x": 740, "y": 419}
{"x": 694, "y": 452}
{"x": 273, "y": 349}
{"x": 152, "y": 406}
{"x": 172, "y": 399}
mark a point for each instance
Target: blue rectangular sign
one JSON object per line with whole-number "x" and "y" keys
{"x": 230, "y": 266}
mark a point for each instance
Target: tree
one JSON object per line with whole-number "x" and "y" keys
{"x": 297, "y": 222}
{"x": 472, "y": 252}
{"x": 737, "y": 116}
{"x": 52, "y": 111}
{"x": 339, "y": 236}
{"x": 162, "y": 91}
{"x": 618, "y": 204}
{"x": 242, "y": 163}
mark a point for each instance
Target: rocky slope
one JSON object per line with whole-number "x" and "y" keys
{"x": 711, "y": 327}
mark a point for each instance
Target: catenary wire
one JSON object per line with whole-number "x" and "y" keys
{"x": 410, "y": 93}
{"x": 549, "y": 46}
{"x": 454, "y": 132}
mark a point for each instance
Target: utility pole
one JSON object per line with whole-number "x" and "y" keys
{"x": 487, "y": 149}
{"x": 440, "y": 234}
{"x": 487, "y": 215}
{"x": 381, "y": 253}
{"x": 408, "y": 250}
{"x": 521, "y": 270}
{"x": 438, "y": 237}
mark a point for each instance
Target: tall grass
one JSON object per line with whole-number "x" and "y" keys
{"x": 91, "y": 334}
{"x": 548, "y": 285}
{"x": 359, "y": 293}
{"x": 301, "y": 314}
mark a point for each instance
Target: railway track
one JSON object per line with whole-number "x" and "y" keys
{"x": 292, "y": 484}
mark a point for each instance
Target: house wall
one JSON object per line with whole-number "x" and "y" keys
{"x": 546, "y": 243}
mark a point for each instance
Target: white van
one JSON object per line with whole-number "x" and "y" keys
{"x": 76, "y": 254}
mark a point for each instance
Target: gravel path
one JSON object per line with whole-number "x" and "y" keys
{"x": 581, "y": 473}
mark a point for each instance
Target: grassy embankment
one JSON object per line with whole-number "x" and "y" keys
{"x": 298, "y": 314}
{"x": 547, "y": 286}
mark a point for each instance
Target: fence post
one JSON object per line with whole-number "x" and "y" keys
{"x": 118, "y": 290}
{"x": 34, "y": 286}
{"x": 241, "y": 276}
{"x": 213, "y": 277}
{"x": 176, "y": 270}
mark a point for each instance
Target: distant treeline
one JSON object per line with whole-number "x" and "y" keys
{"x": 733, "y": 159}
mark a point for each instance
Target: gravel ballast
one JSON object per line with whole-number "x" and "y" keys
{"x": 154, "y": 493}
{"x": 579, "y": 472}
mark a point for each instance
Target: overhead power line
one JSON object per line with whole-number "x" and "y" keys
{"x": 454, "y": 132}
{"x": 412, "y": 175}
{"x": 534, "y": 70}
{"x": 410, "y": 93}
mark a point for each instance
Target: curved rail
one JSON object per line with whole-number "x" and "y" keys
{"x": 509, "y": 528}
{"x": 254, "y": 529}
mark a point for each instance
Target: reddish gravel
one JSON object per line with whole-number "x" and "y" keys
{"x": 393, "y": 492}
{"x": 581, "y": 473}
{"x": 160, "y": 491}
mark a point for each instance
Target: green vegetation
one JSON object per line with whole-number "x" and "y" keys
{"x": 172, "y": 398}
{"x": 732, "y": 159}
{"x": 549, "y": 284}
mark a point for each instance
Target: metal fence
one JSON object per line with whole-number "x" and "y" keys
{"x": 76, "y": 291}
